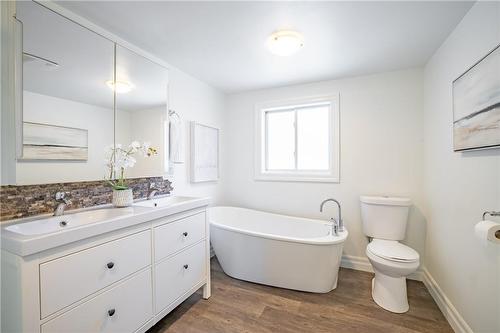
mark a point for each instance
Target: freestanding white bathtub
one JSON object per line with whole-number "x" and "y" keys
{"x": 277, "y": 250}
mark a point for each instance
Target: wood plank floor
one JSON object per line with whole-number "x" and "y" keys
{"x": 238, "y": 306}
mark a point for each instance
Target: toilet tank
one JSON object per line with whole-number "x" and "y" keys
{"x": 385, "y": 217}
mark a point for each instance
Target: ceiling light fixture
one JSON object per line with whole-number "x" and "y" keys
{"x": 122, "y": 87}
{"x": 285, "y": 42}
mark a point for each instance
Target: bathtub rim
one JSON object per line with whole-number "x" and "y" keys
{"x": 325, "y": 240}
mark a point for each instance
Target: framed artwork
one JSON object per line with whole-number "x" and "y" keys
{"x": 476, "y": 105}
{"x": 50, "y": 142}
{"x": 204, "y": 153}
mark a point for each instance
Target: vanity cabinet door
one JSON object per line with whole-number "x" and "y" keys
{"x": 124, "y": 308}
{"x": 177, "y": 275}
{"x": 66, "y": 280}
{"x": 174, "y": 236}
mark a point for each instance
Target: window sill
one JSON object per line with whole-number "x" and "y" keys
{"x": 309, "y": 178}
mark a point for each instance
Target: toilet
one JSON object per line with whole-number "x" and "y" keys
{"x": 384, "y": 221}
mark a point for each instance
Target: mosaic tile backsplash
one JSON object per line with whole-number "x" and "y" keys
{"x": 30, "y": 200}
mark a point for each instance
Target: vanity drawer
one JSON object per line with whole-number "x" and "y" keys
{"x": 68, "y": 279}
{"x": 174, "y": 236}
{"x": 177, "y": 275}
{"x": 123, "y": 308}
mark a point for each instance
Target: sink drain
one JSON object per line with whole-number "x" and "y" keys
{"x": 63, "y": 223}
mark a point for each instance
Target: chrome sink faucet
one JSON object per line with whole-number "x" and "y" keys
{"x": 338, "y": 225}
{"x": 152, "y": 191}
{"x": 62, "y": 203}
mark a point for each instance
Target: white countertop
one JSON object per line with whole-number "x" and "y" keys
{"x": 27, "y": 244}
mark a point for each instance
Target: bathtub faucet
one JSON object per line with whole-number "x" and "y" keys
{"x": 337, "y": 224}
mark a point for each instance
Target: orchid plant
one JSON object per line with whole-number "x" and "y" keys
{"x": 121, "y": 158}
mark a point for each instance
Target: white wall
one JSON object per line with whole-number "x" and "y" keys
{"x": 460, "y": 186}
{"x": 381, "y": 152}
{"x": 195, "y": 100}
{"x": 57, "y": 111}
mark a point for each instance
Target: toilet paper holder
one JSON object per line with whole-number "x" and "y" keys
{"x": 490, "y": 213}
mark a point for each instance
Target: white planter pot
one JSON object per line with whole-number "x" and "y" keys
{"x": 123, "y": 198}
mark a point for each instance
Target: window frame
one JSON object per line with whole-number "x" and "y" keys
{"x": 331, "y": 175}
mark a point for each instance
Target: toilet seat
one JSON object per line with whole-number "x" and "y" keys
{"x": 392, "y": 250}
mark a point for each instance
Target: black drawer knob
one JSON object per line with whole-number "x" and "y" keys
{"x": 111, "y": 312}
{"x": 110, "y": 265}
{"x": 185, "y": 233}
{"x": 186, "y": 266}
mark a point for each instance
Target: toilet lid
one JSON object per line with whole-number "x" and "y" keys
{"x": 392, "y": 250}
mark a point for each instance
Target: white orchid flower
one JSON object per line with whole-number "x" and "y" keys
{"x": 119, "y": 159}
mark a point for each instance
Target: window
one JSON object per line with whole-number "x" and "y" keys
{"x": 298, "y": 140}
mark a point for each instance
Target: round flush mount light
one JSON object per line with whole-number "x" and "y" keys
{"x": 121, "y": 87}
{"x": 285, "y": 42}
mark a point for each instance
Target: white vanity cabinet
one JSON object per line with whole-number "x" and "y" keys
{"x": 121, "y": 281}
{"x": 181, "y": 250}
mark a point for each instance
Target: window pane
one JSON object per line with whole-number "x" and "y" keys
{"x": 280, "y": 140}
{"x": 312, "y": 138}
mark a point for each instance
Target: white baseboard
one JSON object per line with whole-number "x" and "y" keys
{"x": 363, "y": 264}
{"x": 357, "y": 263}
{"x": 451, "y": 314}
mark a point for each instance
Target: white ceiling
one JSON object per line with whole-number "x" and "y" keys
{"x": 223, "y": 43}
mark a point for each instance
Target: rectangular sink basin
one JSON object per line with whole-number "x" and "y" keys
{"x": 33, "y": 235}
{"x": 64, "y": 222}
{"x": 162, "y": 202}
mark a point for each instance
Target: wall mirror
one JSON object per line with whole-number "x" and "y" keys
{"x": 69, "y": 116}
{"x": 67, "y": 109}
{"x": 141, "y": 109}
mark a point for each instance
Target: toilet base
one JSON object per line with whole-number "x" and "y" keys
{"x": 390, "y": 292}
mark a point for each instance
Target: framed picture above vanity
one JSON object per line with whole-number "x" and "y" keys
{"x": 80, "y": 93}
